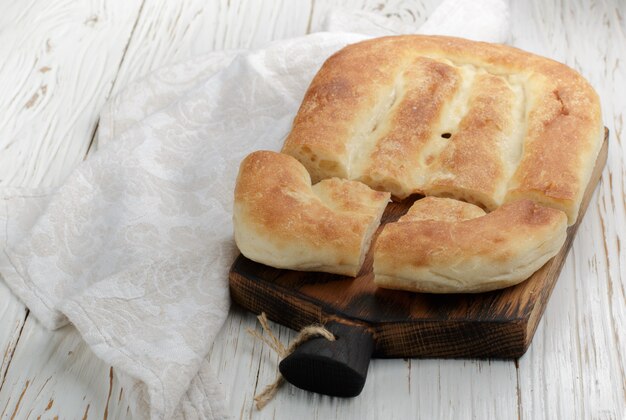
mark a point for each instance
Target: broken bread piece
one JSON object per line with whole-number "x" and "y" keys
{"x": 283, "y": 221}
{"x": 447, "y": 246}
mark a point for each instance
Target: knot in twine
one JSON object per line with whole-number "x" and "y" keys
{"x": 271, "y": 340}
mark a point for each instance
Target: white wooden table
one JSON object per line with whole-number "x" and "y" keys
{"x": 61, "y": 60}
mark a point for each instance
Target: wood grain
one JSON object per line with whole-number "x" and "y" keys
{"x": 13, "y": 315}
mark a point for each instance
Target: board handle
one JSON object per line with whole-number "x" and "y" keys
{"x": 337, "y": 368}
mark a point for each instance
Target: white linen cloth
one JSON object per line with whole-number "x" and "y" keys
{"x": 134, "y": 248}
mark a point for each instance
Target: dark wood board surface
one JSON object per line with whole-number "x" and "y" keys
{"x": 497, "y": 324}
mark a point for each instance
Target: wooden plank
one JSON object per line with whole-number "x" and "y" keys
{"x": 59, "y": 60}
{"x": 13, "y": 315}
{"x": 53, "y": 373}
{"x": 575, "y": 368}
{"x": 58, "y": 64}
{"x": 170, "y": 32}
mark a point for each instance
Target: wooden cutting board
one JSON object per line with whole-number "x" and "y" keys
{"x": 389, "y": 323}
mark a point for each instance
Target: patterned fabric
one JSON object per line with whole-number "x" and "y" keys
{"x": 135, "y": 247}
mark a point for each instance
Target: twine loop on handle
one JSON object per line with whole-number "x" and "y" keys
{"x": 305, "y": 334}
